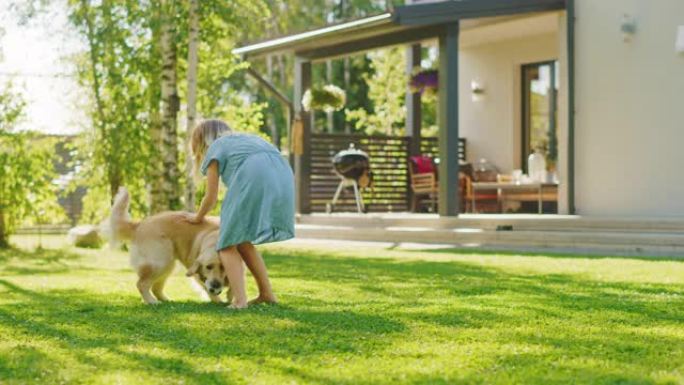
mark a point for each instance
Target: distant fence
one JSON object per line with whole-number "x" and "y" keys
{"x": 389, "y": 163}
{"x": 43, "y": 229}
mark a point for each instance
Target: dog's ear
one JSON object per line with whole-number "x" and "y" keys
{"x": 192, "y": 270}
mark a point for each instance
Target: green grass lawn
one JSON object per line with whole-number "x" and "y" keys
{"x": 352, "y": 316}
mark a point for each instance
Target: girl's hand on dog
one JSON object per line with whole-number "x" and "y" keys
{"x": 191, "y": 218}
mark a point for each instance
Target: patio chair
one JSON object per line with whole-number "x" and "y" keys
{"x": 423, "y": 176}
{"x": 486, "y": 201}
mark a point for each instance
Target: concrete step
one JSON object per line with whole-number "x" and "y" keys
{"x": 561, "y": 223}
{"x": 590, "y": 242}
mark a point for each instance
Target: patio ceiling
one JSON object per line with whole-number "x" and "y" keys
{"x": 404, "y": 25}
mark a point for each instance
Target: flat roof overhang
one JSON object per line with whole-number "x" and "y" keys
{"x": 404, "y": 25}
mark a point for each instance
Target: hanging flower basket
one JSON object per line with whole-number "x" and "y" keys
{"x": 424, "y": 81}
{"x": 328, "y": 98}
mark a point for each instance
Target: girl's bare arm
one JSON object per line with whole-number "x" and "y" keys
{"x": 211, "y": 195}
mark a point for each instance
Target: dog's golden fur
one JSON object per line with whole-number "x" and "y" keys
{"x": 158, "y": 241}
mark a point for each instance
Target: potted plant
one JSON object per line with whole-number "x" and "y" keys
{"x": 327, "y": 98}
{"x": 424, "y": 80}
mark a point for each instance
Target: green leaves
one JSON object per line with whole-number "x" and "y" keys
{"x": 11, "y": 108}
{"x": 122, "y": 70}
{"x": 386, "y": 90}
{"x": 27, "y": 190}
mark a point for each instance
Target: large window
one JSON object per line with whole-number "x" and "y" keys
{"x": 540, "y": 106}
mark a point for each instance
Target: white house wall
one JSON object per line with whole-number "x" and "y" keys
{"x": 629, "y": 134}
{"x": 492, "y": 126}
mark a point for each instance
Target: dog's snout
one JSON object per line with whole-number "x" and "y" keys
{"x": 215, "y": 284}
{"x": 215, "y": 291}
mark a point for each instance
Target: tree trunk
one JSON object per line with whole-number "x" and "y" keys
{"x": 156, "y": 169}
{"x": 270, "y": 118}
{"x": 344, "y": 12}
{"x": 113, "y": 175}
{"x": 329, "y": 73}
{"x": 3, "y": 232}
{"x": 4, "y": 242}
{"x": 193, "y": 40}
{"x": 282, "y": 70}
{"x": 94, "y": 52}
{"x": 156, "y": 172}
{"x": 329, "y": 79}
{"x": 347, "y": 81}
{"x": 170, "y": 186}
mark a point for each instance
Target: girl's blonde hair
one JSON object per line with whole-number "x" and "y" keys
{"x": 203, "y": 135}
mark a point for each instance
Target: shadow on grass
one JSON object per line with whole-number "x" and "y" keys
{"x": 397, "y": 297}
{"x": 80, "y": 322}
{"x": 39, "y": 261}
{"x": 463, "y": 296}
{"x": 460, "y": 279}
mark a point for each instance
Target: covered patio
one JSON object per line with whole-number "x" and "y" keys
{"x": 411, "y": 25}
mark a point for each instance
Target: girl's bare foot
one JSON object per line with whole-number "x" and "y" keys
{"x": 263, "y": 299}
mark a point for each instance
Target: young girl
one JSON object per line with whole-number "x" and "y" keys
{"x": 258, "y": 206}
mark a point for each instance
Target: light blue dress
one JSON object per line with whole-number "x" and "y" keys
{"x": 259, "y": 204}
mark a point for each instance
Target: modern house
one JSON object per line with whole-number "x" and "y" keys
{"x": 598, "y": 84}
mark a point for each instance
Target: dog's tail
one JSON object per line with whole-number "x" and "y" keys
{"x": 119, "y": 226}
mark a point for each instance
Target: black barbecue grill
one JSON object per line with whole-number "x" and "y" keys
{"x": 353, "y": 167}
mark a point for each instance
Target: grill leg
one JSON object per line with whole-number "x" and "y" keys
{"x": 357, "y": 195}
{"x": 337, "y": 193}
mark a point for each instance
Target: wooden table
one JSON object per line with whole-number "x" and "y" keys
{"x": 510, "y": 186}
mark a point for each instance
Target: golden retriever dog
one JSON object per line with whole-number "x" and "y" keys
{"x": 158, "y": 241}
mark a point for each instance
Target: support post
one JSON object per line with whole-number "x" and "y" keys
{"x": 413, "y": 106}
{"x": 570, "y": 15}
{"x": 413, "y": 113}
{"x": 302, "y": 169}
{"x": 449, "y": 193}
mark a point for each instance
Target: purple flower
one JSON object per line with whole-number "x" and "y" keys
{"x": 424, "y": 80}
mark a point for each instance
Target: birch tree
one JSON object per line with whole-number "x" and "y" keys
{"x": 136, "y": 53}
{"x": 167, "y": 195}
{"x": 193, "y": 41}
{"x": 117, "y": 73}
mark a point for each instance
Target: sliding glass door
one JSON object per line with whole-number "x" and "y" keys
{"x": 539, "y": 111}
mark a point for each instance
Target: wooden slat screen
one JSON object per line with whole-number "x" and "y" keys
{"x": 430, "y": 146}
{"x": 388, "y": 162}
{"x": 388, "y": 158}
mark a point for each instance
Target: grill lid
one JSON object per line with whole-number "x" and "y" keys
{"x": 351, "y": 152}
{"x": 351, "y": 163}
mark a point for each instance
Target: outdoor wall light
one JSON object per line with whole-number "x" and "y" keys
{"x": 477, "y": 90}
{"x": 679, "y": 45}
{"x": 628, "y": 27}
